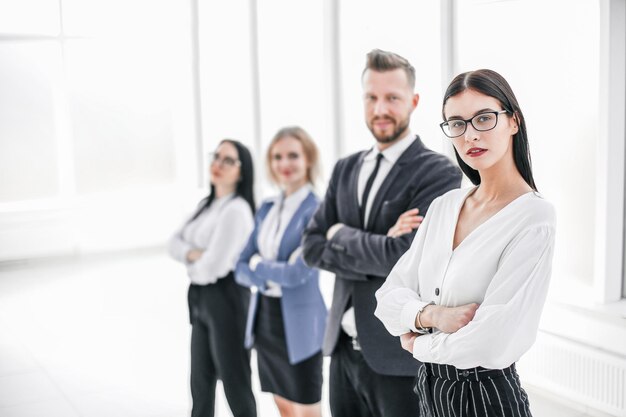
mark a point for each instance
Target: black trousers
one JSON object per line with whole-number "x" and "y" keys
{"x": 445, "y": 391}
{"x": 218, "y": 315}
{"x": 357, "y": 391}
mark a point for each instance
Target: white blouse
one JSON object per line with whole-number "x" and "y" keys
{"x": 221, "y": 231}
{"x": 504, "y": 265}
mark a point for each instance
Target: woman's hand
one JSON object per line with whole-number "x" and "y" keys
{"x": 448, "y": 319}
{"x": 407, "y": 340}
{"x": 193, "y": 255}
{"x": 406, "y": 223}
{"x": 254, "y": 261}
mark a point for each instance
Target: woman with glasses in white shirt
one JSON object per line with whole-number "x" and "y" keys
{"x": 287, "y": 314}
{"x": 209, "y": 245}
{"x": 466, "y": 298}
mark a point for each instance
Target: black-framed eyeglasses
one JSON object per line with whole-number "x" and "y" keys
{"x": 227, "y": 161}
{"x": 481, "y": 122}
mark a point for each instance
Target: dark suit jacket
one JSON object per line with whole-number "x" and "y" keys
{"x": 362, "y": 259}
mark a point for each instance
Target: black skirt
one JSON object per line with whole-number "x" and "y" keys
{"x": 301, "y": 382}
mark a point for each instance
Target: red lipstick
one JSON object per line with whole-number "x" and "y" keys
{"x": 475, "y": 152}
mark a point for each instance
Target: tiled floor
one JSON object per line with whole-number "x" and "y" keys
{"x": 108, "y": 336}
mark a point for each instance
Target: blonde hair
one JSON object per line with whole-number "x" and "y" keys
{"x": 308, "y": 146}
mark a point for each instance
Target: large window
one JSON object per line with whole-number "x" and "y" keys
{"x": 227, "y": 72}
{"x": 104, "y": 105}
{"x": 555, "y": 75}
{"x": 410, "y": 28}
{"x": 95, "y": 120}
{"x": 31, "y": 73}
{"x": 271, "y": 73}
{"x": 293, "y": 77}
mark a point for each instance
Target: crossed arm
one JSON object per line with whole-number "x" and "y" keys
{"x": 252, "y": 270}
{"x": 493, "y": 334}
{"x": 355, "y": 253}
{"x": 446, "y": 319}
{"x": 207, "y": 264}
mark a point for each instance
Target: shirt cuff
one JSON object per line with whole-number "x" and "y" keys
{"x": 180, "y": 250}
{"x": 293, "y": 258}
{"x": 254, "y": 261}
{"x": 409, "y": 313}
{"x": 330, "y": 234}
{"x": 421, "y": 348}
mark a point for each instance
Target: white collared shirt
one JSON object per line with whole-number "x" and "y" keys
{"x": 221, "y": 231}
{"x": 390, "y": 156}
{"x": 273, "y": 228}
{"x": 504, "y": 265}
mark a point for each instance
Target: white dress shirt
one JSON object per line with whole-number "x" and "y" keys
{"x": 390, "y": 156}
{"x": 273, "y": 228}
{"x": 221, "y": 231}
{"x": 504, "y": 265}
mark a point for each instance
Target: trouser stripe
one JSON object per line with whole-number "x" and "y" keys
{"x": 444, "y": 390}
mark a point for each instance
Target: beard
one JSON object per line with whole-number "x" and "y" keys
{"x": 401, "y": 128}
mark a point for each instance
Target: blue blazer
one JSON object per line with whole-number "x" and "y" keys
{"x": 303, "y": 308}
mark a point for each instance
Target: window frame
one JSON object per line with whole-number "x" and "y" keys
{"x": 609, "y": 284}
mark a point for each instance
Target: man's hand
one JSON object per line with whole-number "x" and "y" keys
{"x": 332, "y": 230}
{"x": 406, "y": 223}
{"x": 407, "y": 340}
{"x": 193, "y": 255}
{"x": 448, "y": 319}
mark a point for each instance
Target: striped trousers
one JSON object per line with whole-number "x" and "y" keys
{"x": 445, "y": 391}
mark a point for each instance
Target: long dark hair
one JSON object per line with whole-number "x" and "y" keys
{"x": 245, "y": 185}
{"x": 492, "y": 84}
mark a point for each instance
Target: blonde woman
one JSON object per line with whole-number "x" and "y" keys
{"x": 287, "y": 314}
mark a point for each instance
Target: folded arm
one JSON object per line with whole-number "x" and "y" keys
{"x": 178, "y": 248}
{"x": 233, "y": 227}
{"x": 243, "y": 274}
{"x": 376, "y": 254}
{"x": 292, "y": 273}
{"x": 505, "y": 324}
{"x": 398, "y": 298}
{"x": 317, "y": 250}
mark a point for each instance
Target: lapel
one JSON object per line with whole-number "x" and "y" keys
{"x": 354, "y": 186}
{"x": 264, "y": 210}
{"x": 406, "y": 156}
{"x": 286, "y": 243}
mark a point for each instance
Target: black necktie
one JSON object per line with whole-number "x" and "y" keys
{"x": 368, "y": 187}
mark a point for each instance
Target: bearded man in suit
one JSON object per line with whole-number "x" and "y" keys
{"x": 374, "y": 203}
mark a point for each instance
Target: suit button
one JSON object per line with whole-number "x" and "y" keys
{"x": 436, "y": 291}
{"x": 465, "y": 373}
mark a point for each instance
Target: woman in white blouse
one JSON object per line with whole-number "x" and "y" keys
{"x": 209, "y": 245}
{"x": 466, "y": 298}
{"x": 287, "y": 315}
